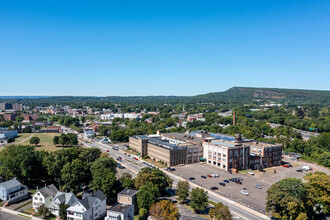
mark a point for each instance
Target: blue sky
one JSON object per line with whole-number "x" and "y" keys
{"x": 103, "y": 48}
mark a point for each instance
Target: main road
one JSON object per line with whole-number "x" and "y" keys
{"x": 134, "y": 166}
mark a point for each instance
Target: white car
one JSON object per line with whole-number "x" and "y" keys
{"x": 251, "y": 173}
{"x": 215, "y": 175}
{"x": 244, "y": 192}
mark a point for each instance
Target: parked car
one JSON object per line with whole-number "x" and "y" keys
{"x": 258, "y": 187}
{"x": 244, "y": 192}
{"x": 251, "y": 173}
{"x": 300, "y": 170}
{"x": 191, "y": 178}
{"x": 107, "y": 150}
{"x": 209, "y": 176}
{"x": 226, "y": 181}
{"x": 286, "y": 165}
{"x": 172, "y": 169}
{"x": 214, "y": 188}
{"x": 204, "y": 177}
{"x": 168, "y": 169}
{"x": 222, "y": 184}
{"x": 238, "y": 182}
{"x": 215, "y": 175}
{"x": 136, "y": 158}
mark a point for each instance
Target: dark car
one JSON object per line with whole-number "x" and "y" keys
{"x": 214, "y": 188}
{"x": 204, "y": 177}
{"x": 232, "y": 179}
{"x": 226, "y": 181}
{"x": 258, "y": 187}
{"x": 168, "y": 168}
{"x": 191, "y": 178}
{"x": 222, "y": 184}
{"x": 238, "y": 182}
{"x": 172, "y": 169}
{"x": 300, "y": 170}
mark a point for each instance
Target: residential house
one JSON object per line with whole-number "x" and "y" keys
{"x": 125, "y": 208}
{"x": 90, "y": 207}
{"x": 61, "y": 197}
{"x": 43, "y": 196}
{"x": 13, "y": 191}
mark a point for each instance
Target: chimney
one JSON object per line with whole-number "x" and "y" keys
{"x": 234, "y": 118}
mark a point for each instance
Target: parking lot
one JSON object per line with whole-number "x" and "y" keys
{"x": 257, "y": 197}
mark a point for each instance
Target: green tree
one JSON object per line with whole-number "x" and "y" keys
{"x": 199, "y": 199}
{"x": 74, "y": 174}
{"x": 164, "y": 210}
{"x": 35, "y": 141}
{"x": 62, "y": 211}
{"x": 147, "y": 196}
{"x": 127, "y": 181}
{"x": 56, "y": 140}
{"x": 44, "y": 211}
{"x": 287, "y": 199}
{"x": 220, "y": 212}
{"x": 182, "y": 191}
{"x": 154, "y": 176}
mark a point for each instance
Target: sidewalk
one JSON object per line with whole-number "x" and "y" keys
{"x": 19, "y": 214}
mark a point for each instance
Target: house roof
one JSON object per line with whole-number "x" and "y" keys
{"x": 62, "y": 197}
{"x": 47, "y": 191}
{"x": 120, "y": 207}
{"x": 128, "y": 192}
{"x": 98, "y": 194}
{"x": 10, "y": 184}
{"x": 88, "y": 202}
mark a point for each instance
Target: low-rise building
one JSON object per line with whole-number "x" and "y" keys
{"x": 125, "y": 208}
{"x": 61, "y": 197}
{"x": 43, "y": 196}
{"x": 6, "y": 134}
{"x": 13, "y": 191}
{"x": 90, "y": 207}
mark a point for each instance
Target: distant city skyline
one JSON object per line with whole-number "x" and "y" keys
{"x": 182, "y": 48}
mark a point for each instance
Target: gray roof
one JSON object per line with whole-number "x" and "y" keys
{"x": 10, "y": 183}
{"x": 119, "y": 207}
{"x": 48, "y": 191}
{"x": 98, "y": 194}
{"x": 128, "y": 192}
{"x": 88, "y": 202}
{"x": 62, "y": 197}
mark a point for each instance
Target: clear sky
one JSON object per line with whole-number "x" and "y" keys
{"x": 123, "y": 47}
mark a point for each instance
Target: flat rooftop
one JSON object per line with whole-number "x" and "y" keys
{"x": 165, "y": 144}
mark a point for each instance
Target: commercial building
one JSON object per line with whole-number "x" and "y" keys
{"x": 5, "y": 106}
{"x": 18, "y": 107}
{"x": 6, "y": 134}
{"x": 223, "y": 151}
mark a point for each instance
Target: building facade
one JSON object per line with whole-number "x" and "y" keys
{"x": 13, "y": 191}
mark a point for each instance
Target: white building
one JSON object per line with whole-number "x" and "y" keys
{"x": 13, "y": 191}
{"x": 43, "y": 196}
{"x": 61, "y": 197}
{"x": 92, "y": 206}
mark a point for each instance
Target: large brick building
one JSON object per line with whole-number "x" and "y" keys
{"x": 223, "y": 151}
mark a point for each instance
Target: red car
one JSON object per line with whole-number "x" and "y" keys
{"x": 209, "y": 176}
{"x": 120, "y": 158}
{"x": 136, "y": 158}
{"x": 107, "y": 150}
{"x": 286, "y": 165}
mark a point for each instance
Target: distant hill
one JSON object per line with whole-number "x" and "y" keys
{"x": 235, "y": 95}
{"x": 256, "y": 95}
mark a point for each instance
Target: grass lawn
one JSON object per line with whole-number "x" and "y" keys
{"x": 155, "y": 163}
{"x": 46, "y": 141}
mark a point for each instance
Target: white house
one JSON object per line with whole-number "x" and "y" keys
{"x": 125, "y": 208}
{"x": 91, "y": 207}
{"x": 13, "y": 191}
{"x": 61, "y": 197}
{"x": 43, "y": 196}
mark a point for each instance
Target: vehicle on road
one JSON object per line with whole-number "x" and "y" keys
{"x": 244, "y": 192}
{"x": 286, "y": 165}
{"x": 222, "y": 184}
{"x": 135, "y": 158}
{"x": 191, "y": 178}
{"x": 251, "y": 173}
{"x": 306, "y": 168}
{"x": 226, "y": 181}
{"x": 258, "y": 187}
{"x": 204, "y": 177}
{"x": 214, "y": 188}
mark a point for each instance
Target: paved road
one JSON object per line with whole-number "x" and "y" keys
{"x": 8, "y": 216}
{"x": 136, "y": 165}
